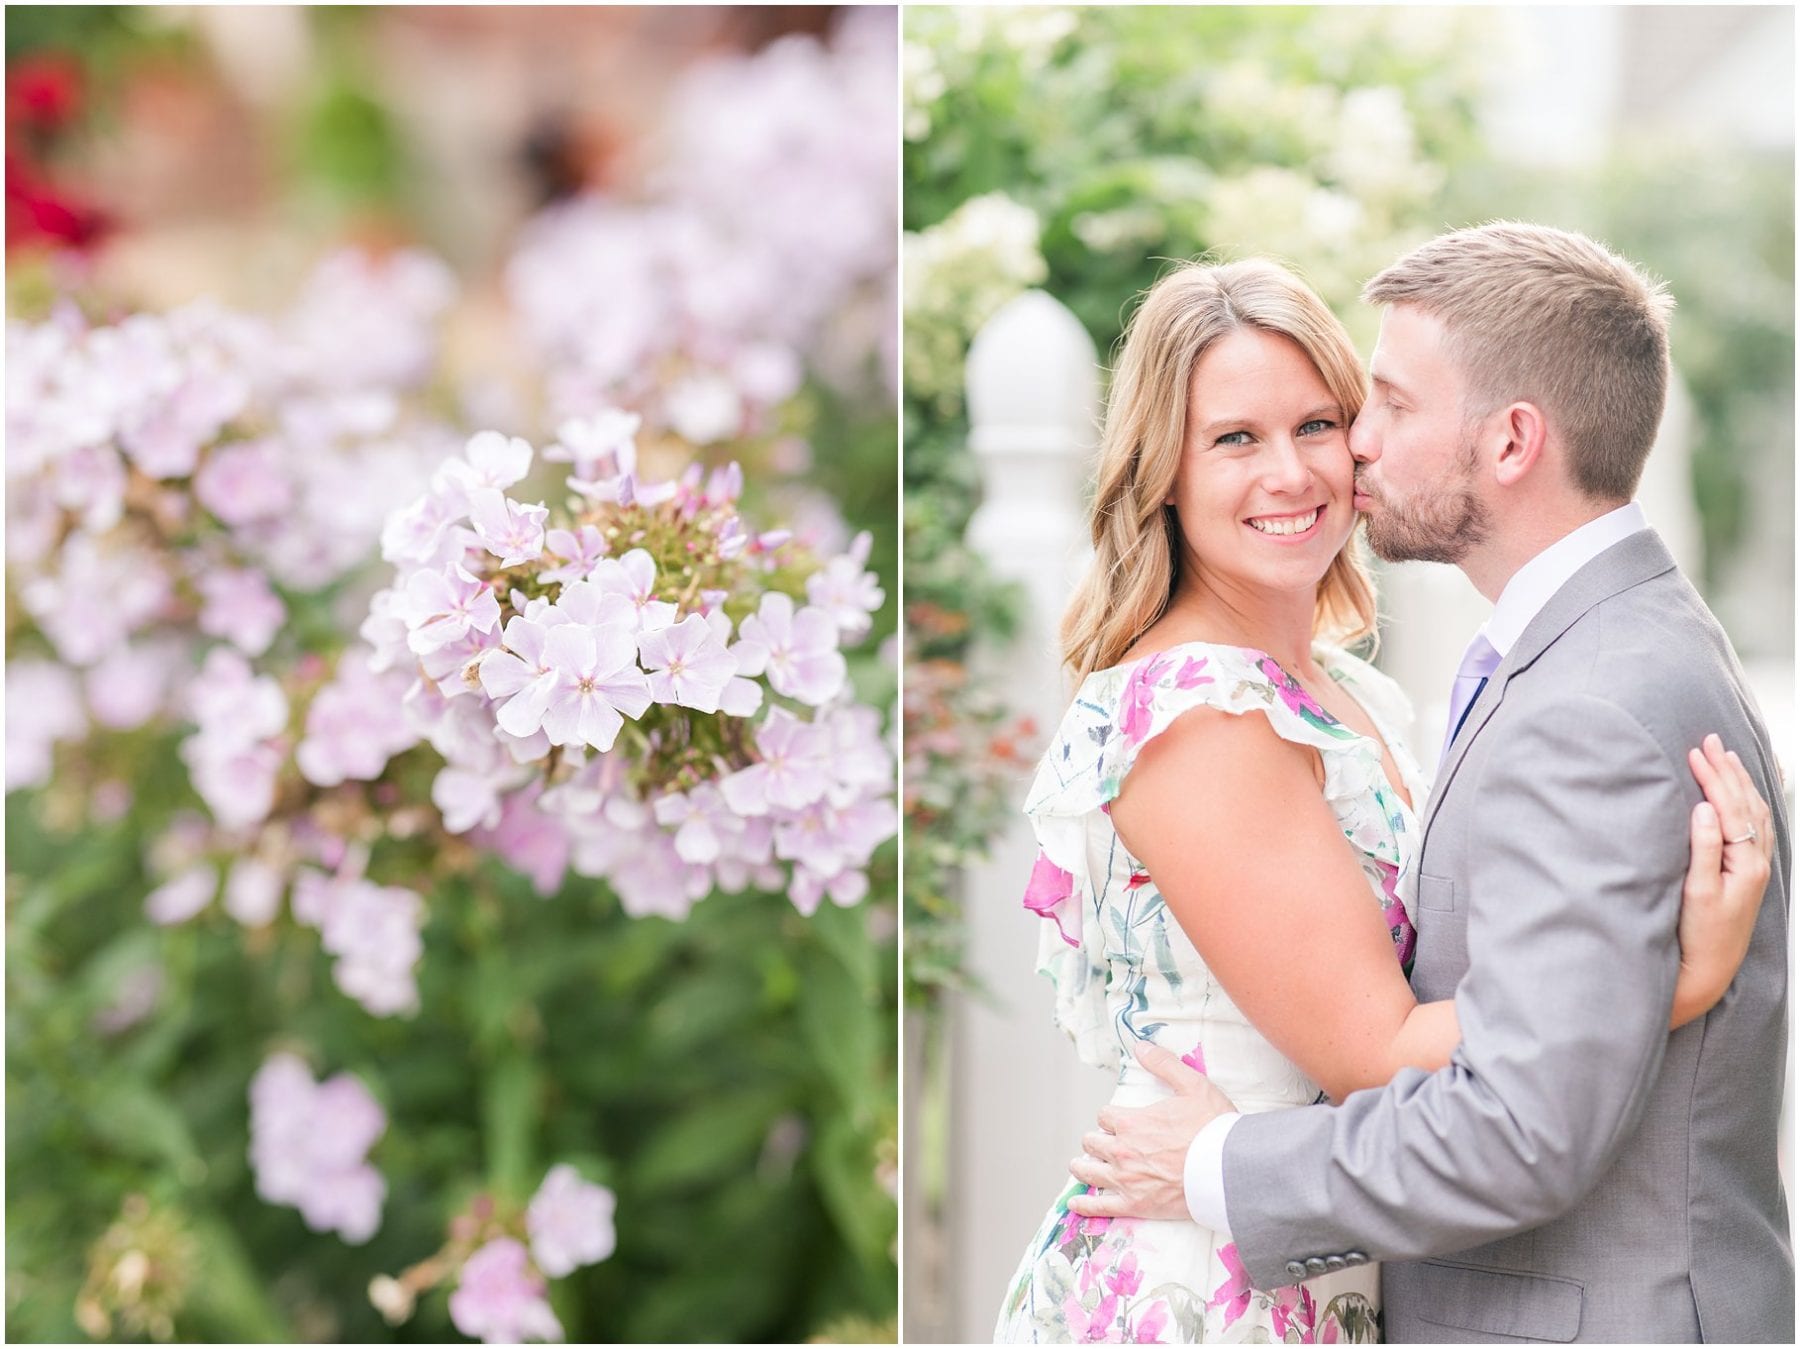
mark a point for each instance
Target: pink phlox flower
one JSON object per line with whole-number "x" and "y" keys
{"x": 847, "y": 592}
{"x": 697, "y": 819}
{"x": 598, "y": 684}
{"x": 688, "y": 664}
{"x": 466, "y": 799}
{"x": 253, "y": 892}
{"x": 308, "y": 1146}
{"x": 89, "y": 481}
{"x": 511, "y": 532}
{"x": 808, "y": 888}
{"x": 229, "y": 700}
{"x": 861, "y": 760}
{"x": 1049, "y": 893}
{"x": 163, "y": 439}
{"x": 794, "y": 770}
{"x": 43, "y": 706}
{"x": 385, "y": 630}
{"x": 1293, "y": 1306}
{"x": 101, "y": 594}
{"x": 740, "y": 697}
{"x": 601, "y": 446}
{"x": 374, "y": 932}
{"x": 570, "y": 1221}
{"x": 426, "y": 531}
{"x": 580, "y": 552}
{"x": 244, "y": 482}
{"x": 455, "y": 667}
{"x": 443, "y": 605}
{"x": 499, "y": 1299}
{"x": 490, "y": 459}
{"x": 800, "y": 655}
{"x": 520, "y": 678}
{"x": 634, "y": 576}
{"x": 653, "y": 881}
{"x": 240, "y": 607}
{"x": 731, "y": 539}
{"x": 1234, "y": 1294}
{"x": 530, "y": 840}
{"x": 182, "y": 897}
{"x": 131, "y": 683}
{"x": 356, "y": 723}
{"x": 724, "y": 485}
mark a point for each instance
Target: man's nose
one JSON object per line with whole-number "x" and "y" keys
{"x": 1365, "y": 445}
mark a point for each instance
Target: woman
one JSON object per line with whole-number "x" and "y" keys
{"x": 1226, "y": 582}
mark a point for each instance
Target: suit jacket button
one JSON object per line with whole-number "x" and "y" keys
{"x": 1334, "y": 1263}
{"x": 1296, "y": 1268}
{"x": 1355, "y": 1258}
{"x": 1316, "y": 1265}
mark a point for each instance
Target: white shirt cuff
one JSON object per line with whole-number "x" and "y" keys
{"x": 1203, "y": 1175}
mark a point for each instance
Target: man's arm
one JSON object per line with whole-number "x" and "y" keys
{"x": 1578, "y": 845}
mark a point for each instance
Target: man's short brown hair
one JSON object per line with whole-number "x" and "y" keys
{"x": 1544, "y": 316}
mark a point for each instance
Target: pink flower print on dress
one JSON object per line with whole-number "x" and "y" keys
{"x": 1125, "y": 1277}
{"x": 1140, "y": 690}
{"x": 1297, "y": 699}
{"x": 1293, "y": 1305}
{"x": 1195, "y": 1058}
{"x": 1151, "y": 1324}
{"x": 1395, "y": 912}
{"x": 1047, "y": 892}
{"x": 1234, "y": 1294}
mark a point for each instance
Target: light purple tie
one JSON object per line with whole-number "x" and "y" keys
{"x": 1479, "y": 662}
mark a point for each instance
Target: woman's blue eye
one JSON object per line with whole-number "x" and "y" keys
{"x": 1233, "y": 438}
{"x": 1316, "y": 425}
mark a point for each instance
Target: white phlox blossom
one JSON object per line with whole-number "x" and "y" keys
{"x": 309, "y": 1143}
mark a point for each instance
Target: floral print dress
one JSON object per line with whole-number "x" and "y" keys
{"x": 1124, "y": 970}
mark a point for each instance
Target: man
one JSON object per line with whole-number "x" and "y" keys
{"x": 1577, "y": 1172}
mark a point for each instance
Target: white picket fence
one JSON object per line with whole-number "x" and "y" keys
{"x": 1019, "y": 1099}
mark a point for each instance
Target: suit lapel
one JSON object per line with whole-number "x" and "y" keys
{"x": 1627, "y": 563}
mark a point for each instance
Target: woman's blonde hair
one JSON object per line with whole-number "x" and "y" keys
{"x": 1136, "y": 564}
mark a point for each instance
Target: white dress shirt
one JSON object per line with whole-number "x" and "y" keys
{"x": 1525, "y": 595}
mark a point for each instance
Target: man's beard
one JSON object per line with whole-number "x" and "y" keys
{"x": 1439, "y": 525}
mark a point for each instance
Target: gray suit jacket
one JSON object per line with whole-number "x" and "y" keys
{"x": 1577, "y": 1172}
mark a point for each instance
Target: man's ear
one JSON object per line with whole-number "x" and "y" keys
{"x": 1521, "y": 433}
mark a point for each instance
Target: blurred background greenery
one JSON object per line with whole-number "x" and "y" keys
{"x": 1080, "y": 149}
{"x": 732, "y": 1077}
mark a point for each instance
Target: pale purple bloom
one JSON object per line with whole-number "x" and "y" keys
{"x": 798, "y": 650}
{"x": 244, "y": 482}
{"x": 465, "y": 799}
{"x": 520, "y": 678}
{"x": 308, "y": 1147}
{"x": 355, "y": 724}
{"x": 489, "y": 460}
{"x": 598, "y": 684}
{"x": 847, "y": 592}
{"x": 634, "y": 576}
{"x": 689, "y": 664}
{"x": 422, "y": 532}
{"x": 240, "y": 607}
{"x": 529, "y": 840}
{"x": 698, "y": 818}
{"x": 600, "y": 446}
{"x": 499, "y": 1299}
{"x": 385, "y": 630}
{"x": 511, "y": 532}
{"x": 100, "y": 596}
{"x": 580, "y": 553}
{"x": 441, "y": 606}
{"x": 570, "y": 1221}
{"x": 253, "y": 892}
{"x": 237, "y": 782}
{"x": 130, "y": 683}
{"x": 164, "y": 438}
{"x": 374, "y": 932}
{"x": 651, "y": 880}
{"x": 90, "y": 483}
{"x": 230, "y": 700}
{"x": 795, "y": 768}
{"x": 455, "y": 667}
{"x": 43, "y": 706}
{"x": 704, "y": 408}
{"x": 180, "y": 898}
{"x": 844, "y": 889}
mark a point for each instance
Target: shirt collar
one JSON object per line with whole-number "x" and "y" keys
{"x": 1532, "y": 585}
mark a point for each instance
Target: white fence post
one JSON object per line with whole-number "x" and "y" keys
{"x": 1019, "y": 1098}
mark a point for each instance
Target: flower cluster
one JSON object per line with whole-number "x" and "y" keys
{"x": 309, "y": 1142}
{"x": 596, "y": 704}
{"x": 764, "y": 240}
